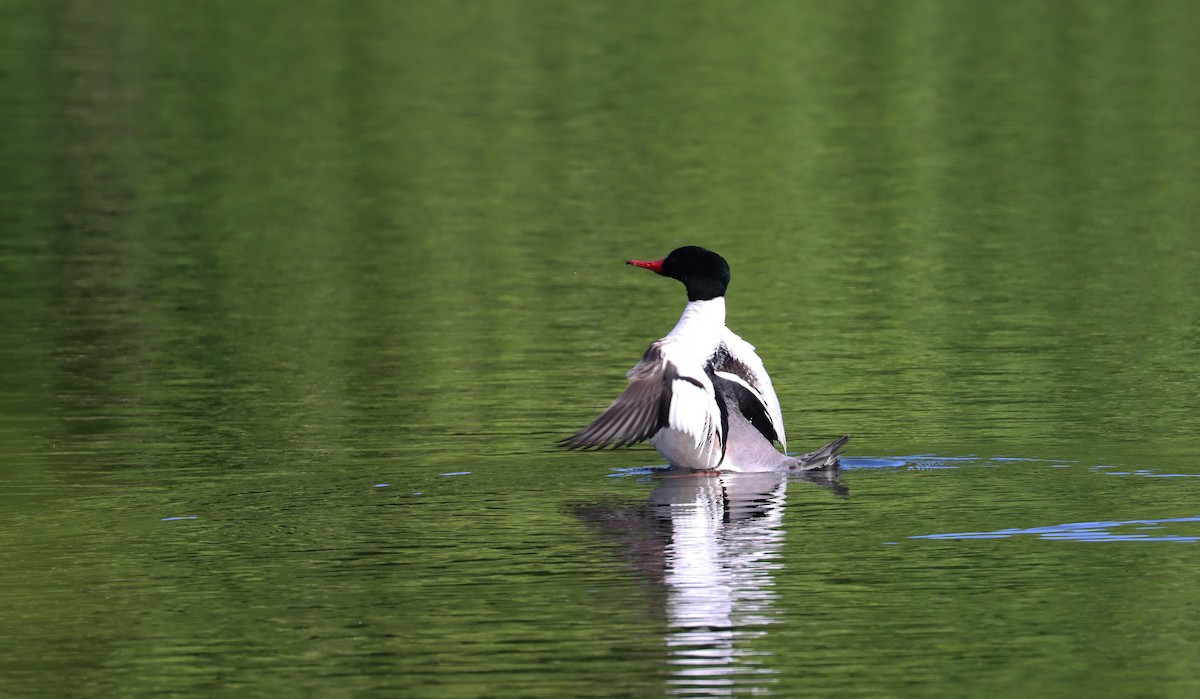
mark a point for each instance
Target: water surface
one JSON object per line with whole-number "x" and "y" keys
{"x": 297, "y": 299}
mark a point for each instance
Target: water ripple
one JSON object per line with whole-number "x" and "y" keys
{"x": 1126, "y": 530}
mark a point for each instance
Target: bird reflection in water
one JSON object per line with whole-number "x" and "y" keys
{"x": 712, "y": 544}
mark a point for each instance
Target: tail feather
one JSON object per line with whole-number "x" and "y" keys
{"x": 827, "y": 457}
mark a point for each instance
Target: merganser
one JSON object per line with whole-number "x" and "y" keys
{"x": 701, "y": 395}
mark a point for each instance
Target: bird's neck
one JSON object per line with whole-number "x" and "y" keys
{"x": 702, "y": 321}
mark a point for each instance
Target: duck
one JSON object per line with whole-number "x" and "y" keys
{"x": 701, "y": 395}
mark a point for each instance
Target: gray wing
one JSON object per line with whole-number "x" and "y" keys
{"x": 639, "y": 412}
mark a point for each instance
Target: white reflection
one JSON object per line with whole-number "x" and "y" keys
{"x": 712, "y": 544}
{"x": 725, "y": 542}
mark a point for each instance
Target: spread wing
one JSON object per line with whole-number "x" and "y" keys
{"x": 659, "y": 395}
{"x": 737, "y": 361}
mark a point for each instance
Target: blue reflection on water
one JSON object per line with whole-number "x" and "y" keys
{"x": 636, "y": 471}
{"x": 931, "y": 462}
{"x": 1086, "y": 531}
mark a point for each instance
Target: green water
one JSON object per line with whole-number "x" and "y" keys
{"x": 270, "y": 271}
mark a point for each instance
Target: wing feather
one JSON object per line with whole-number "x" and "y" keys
{"x": 737, "y": 360}
{"x": 659, "y": 395}
{"x": 635, "y": 415}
